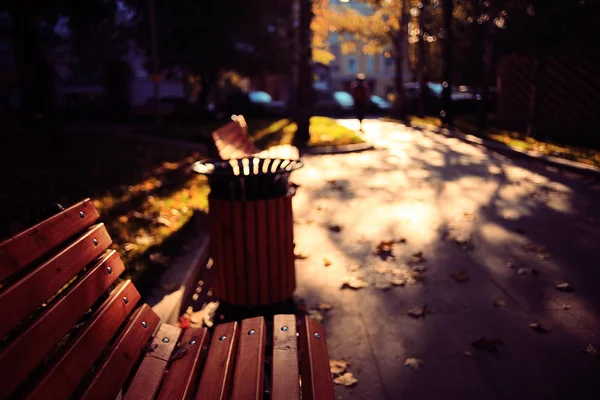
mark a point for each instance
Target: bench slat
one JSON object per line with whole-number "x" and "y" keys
{"x": 250, "y": 255}
{"x": 216, "y": 244}
{"x": 291, "y": 258}
{"x": 125, "y": 353}
{"x": 216, "y": 376}
{"x": 227, "y": 233}
{"x": 241, "y": 295}
{"x": 149, "y": 375}
{"x": 283, "y": 246}
{"x": 74, "y": 364}
{"x": 285, "y": 373}
{"x": 22, "y": 298}
{"x": 28, "y": 246}
{"x": 248, "y": 379}
{"x": 182, "y": 378}
{"x": 316, "y": 376}
{"x": 29, "y": 349}
{"x": 262, "y": 250}
{"x": 273, "y": 247}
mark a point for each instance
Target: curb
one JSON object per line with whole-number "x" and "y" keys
{"x": 573, "y": 166}
{"x": 346, "y": 148}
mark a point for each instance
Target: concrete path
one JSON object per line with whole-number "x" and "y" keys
{"x": 473, "y": 213}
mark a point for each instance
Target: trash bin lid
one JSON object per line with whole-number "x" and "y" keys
{"x": 247, "y": 166}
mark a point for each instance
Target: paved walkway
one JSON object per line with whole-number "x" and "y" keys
{"x": 471, "y": 212}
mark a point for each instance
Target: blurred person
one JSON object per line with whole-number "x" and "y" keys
{"x": 360, "y": 93}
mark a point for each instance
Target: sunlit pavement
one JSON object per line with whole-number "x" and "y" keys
{"x": 435, "y": 192}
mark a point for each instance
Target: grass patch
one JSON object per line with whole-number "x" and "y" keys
{"x": 519, "y": 140}
{"x": 323, "y": 132}
{"x": 145, "y": 192}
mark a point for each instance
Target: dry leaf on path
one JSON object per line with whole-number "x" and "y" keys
{"x": 416, "y": 258}
{"x": 163, "y": 221}
{"x": 335, "y": 228}
{"x": 385, "y": 249}
{"x": 346, "y": 380}
{"x": 524, "y": 271}
{"x": 299, "y": 255}
{"x": 202, "y": 317}
{"x": 324, "y": 306}
{"x": 338, "y": 367}
{"x": 499, "y": 303}
{"x": 537, "y": 327}
{"x": 354, "y": 282}
{"x": 563, "y": 286}
{"x": 409, "y": 276}
{"x": 419, "y": 268}
{"x": 383, "y": 285}
{"x": 460, "y": 276}
{"x": 316, "y": 315}
{"x": 160, "y": 259}
{"x": 484, "y": 343}
{"x": 326, "y": 262}
{"x": 352, "y": 268}
{"x": 382, "y": 270}
{"x": 414, "y": 363}
{"x": 417, "y": 312}
{"x": 129, "y": 246}
{"x": 566, "y": 307}
{"x": 398, "y": 282}
{"x": 401, "y": 240}
{"x": 592, "y": 351}
{"x": 468, "y": 353}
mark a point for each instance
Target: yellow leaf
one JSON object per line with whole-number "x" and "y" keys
{"x": 326, "y": 262}
{"x": 414, "y": 363}
{"x": 346, "y": 380}
{"x": 338, "y": 367}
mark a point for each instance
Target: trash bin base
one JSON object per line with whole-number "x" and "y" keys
{"x": 253, "y": 250}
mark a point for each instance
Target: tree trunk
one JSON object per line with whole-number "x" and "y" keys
{"x": 399, "y": 109}
{"x": 304, "y": 90}
{"x": 446, "y": 113}
{"x": 537, "y": 85}
{"x": 421, "y": 54}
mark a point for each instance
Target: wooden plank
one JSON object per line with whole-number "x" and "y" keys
{"x": 291, "y": 259}
{"x": 184, "y": 372}
{"x": 228, "y": 268}
{"x": 123, "y": 356}
{"x": 262, "y": 251}
{"x": 28, "y": 246}
{"x": 316, "y": 376}
{"x": 272, "y": 239}
{"x": 30, "y": 348}
{"x": 252, "y": 282}
{"x": 217, "y": 250}
{"x": 241, "y": 268}
{"x": 283, "y": 250}
{"x": 285, "y": 373}
{"x": 248, "y": 379}
{"x": 216, "y": 376}
{"x": 83, "y": 351}
{"x": 150, "y": 374}
{"x": 22, "y": 298}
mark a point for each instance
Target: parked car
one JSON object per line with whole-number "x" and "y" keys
{"x": 256, "y": 103}
{"x": 334, "y": 104}
{"x": 379, "y": 105}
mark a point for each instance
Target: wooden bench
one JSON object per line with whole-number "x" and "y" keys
{"x": 69, "y": 328}
{"x": 232, "y": 141}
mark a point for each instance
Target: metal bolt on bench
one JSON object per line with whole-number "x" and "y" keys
{"x": 251, "y": 221}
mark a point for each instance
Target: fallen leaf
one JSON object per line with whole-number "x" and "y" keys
{"x": 160, "y": 259}
{"x": 324, "y": 306}
{"x": 123, "y": 219}
{"x": 383, "y": 285}
{"x": 566, "y": 307}
{"x": 346, "y": 380}
{"x": 467, "y": 216}
{"x": 326, "y": 262}
{"x": 184, "y": 322}
{"x": 537, "y": 327}
{"x": 202, "y": 317}
{"x": 414, "y": 363}
{"x": 144, "y": 240}
{"x": 563, "y": 286}
{"x": 524, "y": 271}
{"x": 398, "y": 282}
{"x": 416, "y": 258}
{"x": 409, "y": 276}
{"x": 468, "y": 353}
{"x": 460, "y": 276}
{"x": 417, "y": 312}
{"x": 163, "y": 221}
{"x": 510, "y": 265}
{"x": 335, "y": 228}
{"x": 352, "y": 268}
{"x": 484, "y": 343}
{"x": 592, "y": 351}
{"x": 382, "y": 270}
{"x": 401, "y": 240}
{"x": 354, "y": 282}
{"x": 385, "y": 249}
{"x": 419, "y": 268}
{"x": 300, "y": 255}
{"x": 499, "y": 303}
{"x": 316, "y": 315}
{"x": 338, "y": 367}
{"x": 129, "y": 246}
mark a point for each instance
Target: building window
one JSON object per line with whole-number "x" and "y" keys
{"x": 389, "y": 64}
{"x": 351, "y": 65}
{"x": 370, "y": 64}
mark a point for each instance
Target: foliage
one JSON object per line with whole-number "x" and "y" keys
{"x": 320, "y": 27}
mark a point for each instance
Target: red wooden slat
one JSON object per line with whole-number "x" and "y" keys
{"x": 252, "y": 282}
{"x": 29, "y": 349}
{"x": 28, "y": 246}
{"x": 240, "y": 265}
{"x": 184, "y": 372}
{"x": 316, "y": 376}
{"x": 216, "y": 243}
{"x": 22, "y": 298}
{"x": 273, "y": 238}
{"x": 229, "y": 271}
{"x": 248, "y": 378}
{"x": 123, "y": 356}
{"x": 216, "y": 376}
{"x": 74, "y": 364}
{"x": 149, "y": 375}
{"x": 262, "y": 248}
{"x": 285, "y": 382}
{"x": 291, "y": 260}
{"x": 283, "y": 249}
